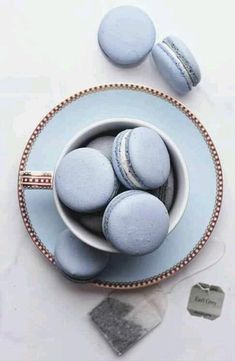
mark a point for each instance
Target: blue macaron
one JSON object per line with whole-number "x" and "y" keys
{"x": 136, "y": 222}
{"x": 85, "y": 181}
{"x": 176, "y": 64}
{"x": 103, "y": 144}
{"x": 77, "y": 260}
{"x": 166, "y": 192}
{"x": 140, "y": 158}
{"x": 92, "y": 221}
{"x": 126, "y": 35}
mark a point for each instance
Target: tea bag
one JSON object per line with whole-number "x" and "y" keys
{"x": 124, "y": 317}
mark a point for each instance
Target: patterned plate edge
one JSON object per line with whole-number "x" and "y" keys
{"x": 219, "y": 183}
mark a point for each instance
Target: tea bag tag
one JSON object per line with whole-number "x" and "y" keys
{"x": 206, "y": 301}
{"x": 124, "y": 318}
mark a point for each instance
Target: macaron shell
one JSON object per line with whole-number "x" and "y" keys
{"x": 181, "y": 48}
{"x": 170, "y": 70}
{"x": 76, "y": 259}
{"x": 166, "y": 192}
{"x": 103, "y": 144}
{"x": 85, "y": 180}
{"x": 93, "y": 221}
{"x": 136, "y": 222}
{"x": 126, "y": 35}
{"x": 149, "y": 157}
{"x": 109, "y": 208}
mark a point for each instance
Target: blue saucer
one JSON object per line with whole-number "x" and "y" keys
{"x": 128, "y": 101}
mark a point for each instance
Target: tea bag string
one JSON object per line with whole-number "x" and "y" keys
{"x": 198, "y": 271}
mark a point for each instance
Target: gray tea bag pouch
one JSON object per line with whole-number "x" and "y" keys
{"x": 124, "y": 317}
{"x": 206, "y": 301}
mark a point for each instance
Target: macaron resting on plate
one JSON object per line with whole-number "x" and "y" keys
{"x": 126, "y": 35}
{"x": 85, "y": 180}
{"x": 136, "y": 222}
{"x": 176, "y": 64}
{"x": 140, "y": 158}
{"x": 77, "y": 260}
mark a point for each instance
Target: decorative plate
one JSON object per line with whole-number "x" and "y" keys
{"x": 138, "y": 102}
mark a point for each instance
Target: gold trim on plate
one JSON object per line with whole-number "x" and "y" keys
{"x": 219, "y": 180}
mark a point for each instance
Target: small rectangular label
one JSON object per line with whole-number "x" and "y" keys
{"x": 206, "y": 301}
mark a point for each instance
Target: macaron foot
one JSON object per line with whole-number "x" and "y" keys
{"x": 76, "y": 259}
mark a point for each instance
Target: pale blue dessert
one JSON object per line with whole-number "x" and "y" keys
{"x": 140, "y": 158}
{"x": 166, "y": 192}
{"x": 76, "y": 259}
{"x": 136, "y": 222}
{"x": 92, "y": 221}
{"x": 104, "y": 144}
{"x": 126, "y": 35}
{"x": 85, "y": 181}
{"x": 176, "y": 64}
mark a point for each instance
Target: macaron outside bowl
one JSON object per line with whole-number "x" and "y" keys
{"x": 126, "y": 35}
{"x": 176, "y": 64}
{"x": 77, "y": 260}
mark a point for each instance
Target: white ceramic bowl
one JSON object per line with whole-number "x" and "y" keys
{"x": 45, "y": 179}
{"x": 114, "y": 126}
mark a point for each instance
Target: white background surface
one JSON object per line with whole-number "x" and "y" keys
{"x": 48, "y": 51}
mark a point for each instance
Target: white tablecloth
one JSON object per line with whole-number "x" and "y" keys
{"x": 48, "y": 51}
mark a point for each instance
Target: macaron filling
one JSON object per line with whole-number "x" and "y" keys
{"x": 126, "y": 163}
{"x": 122, "y": 158}
{"x": 170, "y": 52}
{"x": 193, "y": 76}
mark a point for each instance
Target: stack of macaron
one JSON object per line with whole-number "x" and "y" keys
{"x": 121, "y": 187}
{"x": 127, "y": 35}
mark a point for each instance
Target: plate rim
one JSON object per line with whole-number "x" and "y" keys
{"x": 214, "y": 154}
